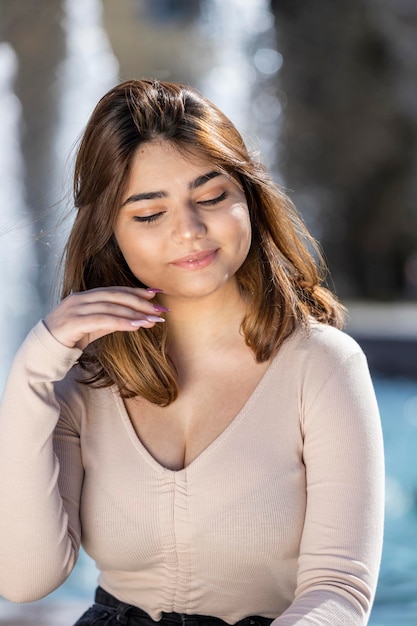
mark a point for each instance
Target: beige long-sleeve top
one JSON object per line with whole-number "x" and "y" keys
{"x": 280, "y": 516}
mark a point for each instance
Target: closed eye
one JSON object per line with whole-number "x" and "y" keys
{"x": 148, "y": 218}
{"x": 213, "y": 201}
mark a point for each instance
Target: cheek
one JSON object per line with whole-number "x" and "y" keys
{"x": 241, "y": 218}
{"x": 137, "y": 252}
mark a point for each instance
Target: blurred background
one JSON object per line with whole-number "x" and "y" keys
{"x": 327, "y": 94}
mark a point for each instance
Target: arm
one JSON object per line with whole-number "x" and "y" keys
{"x": 342, "y": 538}
{"x": 38, "y": 545}
{"x": 41, "y": 475}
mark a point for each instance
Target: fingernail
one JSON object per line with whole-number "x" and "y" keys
{"x": 138, "y": 323}
{"x": 162, "y": 309}
{"x": 151, "y": 290}
{"x": 154, "y": 318}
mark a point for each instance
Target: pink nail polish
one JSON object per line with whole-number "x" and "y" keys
{"x": 151, "y": 290}
{"x": 160, "y": 308}
{"x": 154, "y": 318}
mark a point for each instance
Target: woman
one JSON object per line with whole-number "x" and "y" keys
{"x": 190, "y": 411}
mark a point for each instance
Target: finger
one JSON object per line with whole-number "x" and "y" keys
{"x": 81, "y": 315}
{"x": 145, "y": 292}
{"x": 80, "y": 330}
{"x": 121, "y": 309}
{"x": 113, "y": 325}
{"x": 127, "y": 297}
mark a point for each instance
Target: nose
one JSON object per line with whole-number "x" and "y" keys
{"x": 188, "y": 224}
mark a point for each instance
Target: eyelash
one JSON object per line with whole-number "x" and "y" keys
{"x": 156, "y": 216}
{"x": 214, "y": 201}
{"x": 148, "y": 218}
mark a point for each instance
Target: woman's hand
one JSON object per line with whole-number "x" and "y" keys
{"x": 83, "y": 317}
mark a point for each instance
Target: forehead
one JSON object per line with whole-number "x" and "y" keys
{"x": 161, "y": 165}
{"x": 161, "y": 153}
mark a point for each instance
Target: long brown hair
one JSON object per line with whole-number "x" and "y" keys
{"x": 281, "y": 278}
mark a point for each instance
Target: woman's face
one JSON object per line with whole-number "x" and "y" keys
{"x": 183, "y": 225}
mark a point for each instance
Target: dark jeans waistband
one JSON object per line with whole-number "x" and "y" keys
{"x": 102, "y": 597}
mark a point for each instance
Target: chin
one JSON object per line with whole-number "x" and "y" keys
{"x": 203, "y": 290}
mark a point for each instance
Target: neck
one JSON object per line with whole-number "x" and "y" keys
{"x": 199, "y": 327}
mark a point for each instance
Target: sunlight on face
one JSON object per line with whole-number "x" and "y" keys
{"x": 183, "y": 226}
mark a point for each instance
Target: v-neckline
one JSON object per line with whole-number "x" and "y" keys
{"x": 210, "y": 448}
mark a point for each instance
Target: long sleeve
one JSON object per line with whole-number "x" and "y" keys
{"x": 39, "y": 529}
{"x": 281, "y": 515}
{"x": 342, "y": 538}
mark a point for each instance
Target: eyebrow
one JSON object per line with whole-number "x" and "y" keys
{"x": 152, "y": 195}
{"x": 201, "y": 180}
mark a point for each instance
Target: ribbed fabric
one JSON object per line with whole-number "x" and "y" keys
{"x": 280, "y": 516}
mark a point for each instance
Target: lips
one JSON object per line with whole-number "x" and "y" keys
{"x": 196, "y": 260}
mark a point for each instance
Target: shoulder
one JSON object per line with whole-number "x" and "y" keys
{"x": 331, "y": 340}
{"x": 315, "y": 353}
{"x": 323, "y": 342}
